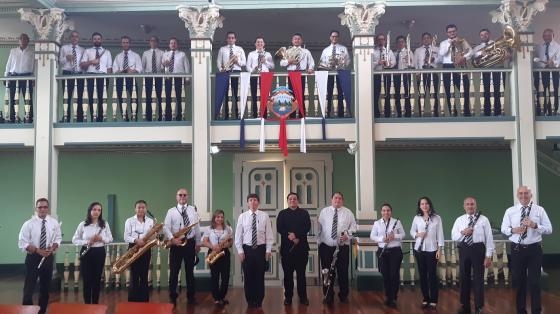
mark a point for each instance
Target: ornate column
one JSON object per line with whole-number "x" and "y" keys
{"x": 362, "y": 19}
{"x": 520, "y": 15}
{"x": 201, "y": 22}
{"x": 49, "y": 25}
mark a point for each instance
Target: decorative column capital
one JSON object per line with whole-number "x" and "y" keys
{"x": 362, "y": 18}
{"x": 201, "y": 22}
{"x": 49, "y": 24}
{"x": 518, "y": 13}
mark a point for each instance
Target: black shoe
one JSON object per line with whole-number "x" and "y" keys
{"x": 224, "y": 301}
{"x": 433, "y": 305}
{"x": 424, "y": 304}
{"x": 328, "y": 301}
{"x": 174, "y": 302}
{"x": 344, "y": 300}
{"x": 393, "y": 304}
{"x": 287, "y": 301}
{"x": 479, "y": 310}
{"x": 464, "y": 310}
{"x": 304, "y": 301}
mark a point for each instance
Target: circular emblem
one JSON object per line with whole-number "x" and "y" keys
{"x": 282, "y": 102}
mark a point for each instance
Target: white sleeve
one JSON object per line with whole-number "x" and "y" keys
{"x": 239, "y": 235}
{"x": 455, "y": 231}
{"x": 167, "y": 226}
{"x": 488, "y": 238}
{"x": 269, "y": 235}
{"x": 219, "y": 63}
{"x": 24, "y": 238}
{"x": 78, "y": 239}
{"x": 106, "y": 235}
{"x": 373, "y": 234}
{"x": 128, "y": 236}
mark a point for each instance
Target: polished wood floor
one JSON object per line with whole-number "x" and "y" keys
{"x": 498, "y": 300}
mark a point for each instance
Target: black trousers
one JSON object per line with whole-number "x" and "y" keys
{"x": 295, "y": 261}
{"x": 389, "y": 266}
{"x": 546, "y": 86}
{"x": 343, "y": 258}
{"x": 129, "y": 83}
{"x": 176, "y": 82}
{"x": 70, "y": 85}
{"x": 253, "y": 273}
{"x": 44, "y": 274}
{"x": 471, "y": 258}
{"x": 22, "y": 86}
{"x": 429, "y": 80}
{"x": 178, "y": 255}
{"x": 496, "y": 81}
{"x": 91, "y": 268}
{"x": 255, "y": 84}
{"x": 403, "y": 80}
{"x": 526, "y": 263}
{"x": 427, "y": 268}
{"x": 234, "y": 87}
{"x": 138, "y": 290}
{"x": 377, "y": 95}
{"x": 149, "y": 87}
{"x": 99, "y": 84}
{"x": 303, "y": 79}
{"x": 457, "y": 84}
{"x": 340, "y": 96}
{"x": 219, "y": 274}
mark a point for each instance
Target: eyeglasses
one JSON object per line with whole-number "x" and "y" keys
{"x": 182, "y": 195}
{"x": 42, "y": 207}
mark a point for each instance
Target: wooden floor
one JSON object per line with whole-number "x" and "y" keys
{"x": 498, "y": 300}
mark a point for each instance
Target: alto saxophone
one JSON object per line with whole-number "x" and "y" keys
{"x": 182, "y": 232}
{"x": 150, "y": 239}
{"x": 216, "y": 255}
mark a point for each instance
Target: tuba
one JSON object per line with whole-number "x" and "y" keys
{"x": 498, "y": 51}
{"x": 182, "y": 232}
{"x": 291, "y": 54}
{"x": 151, "y": 239}
{"x": 216, "y": 255}
{"x": 458, "y": 49}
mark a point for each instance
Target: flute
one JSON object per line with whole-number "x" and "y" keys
{"x": 88, "y": 246}
{"x": 52, "y": 240}
{"x": 521, "y": 224}
{"x": 425, "y": 234}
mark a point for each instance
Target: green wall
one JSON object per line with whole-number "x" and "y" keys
{"x": 548, "y": 198}
{"x": 16, "y": 196}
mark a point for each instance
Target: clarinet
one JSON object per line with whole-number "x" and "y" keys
{"x": 88, "y": 246}
{"x": 425, "y": 233}
{"x": 524, "y": 233}
{"x": 471, "y": 225}
{"x": 386, "y": 244}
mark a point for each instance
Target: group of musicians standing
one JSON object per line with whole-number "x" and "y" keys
{"x": 524, "y": 223}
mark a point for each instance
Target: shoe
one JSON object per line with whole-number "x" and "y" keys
{"x": 392, "y": 304}
{"x": 174, "y": 302}
{"x": 433, "y": 305}
{"x": 478, "y": 310}
{"x": 328, "y": 301}
{"x": 224, "y": 301}
{"x": 287, "y": 301}
{"x": 464, "y": 310}
{"x": 258, "y": 305}
{"x": 217, "y": 302}
{"x": 344, "y": 300}
{"x": 424, "y": 304}
{"x": 304, "y": 301}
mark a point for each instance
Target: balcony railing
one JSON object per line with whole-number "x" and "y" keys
{"x": 545, "y": 91}
{"x": 18, "y": 99}
{"x": 124, "y": 98}
{"x": 337, "y": 107}
{"x": 442, "y": 93}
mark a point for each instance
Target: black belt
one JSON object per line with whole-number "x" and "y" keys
{"x": 391, "y": 248}
{"x": 526, "y": 246}
{"x": 250, "y": 246}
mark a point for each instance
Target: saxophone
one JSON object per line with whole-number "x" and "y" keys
{"x": 216, "y": 255}
{"x": 182, "y": 232}
{"x": 150, "y": 239}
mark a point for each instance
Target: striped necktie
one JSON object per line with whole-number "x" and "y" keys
{"x": 125, "y": 61}
{"x": 172, "y": 62}
{"x": 186, "y": 220}
{"x": 259, "y": 68}
{"x": 468, "y": 239}
{"x": 546, "y": 52}
{"x": 524, "y": 214}
{"x": 334, "y": 230}
{"x": 154, "y": 64}
{"x": 74, "y": 59}
{"x": 254, "y": 231}
{"x": 43, "y": 241}
{"x": 97, "y": 66}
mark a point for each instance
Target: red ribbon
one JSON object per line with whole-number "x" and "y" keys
{"x": 282, "y": 137}
{"x": 295, "y": 79}
{"x": 266, "y": 79}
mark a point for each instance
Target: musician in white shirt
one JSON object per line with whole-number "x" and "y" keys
{"x": 92, "y": 234}
{"x": 39, "y": 237}
{"x": 152, "y": 64}
{"x": 231, "y": 58}
{"x": 525, "y": 224}
{"x": 69, "y": 60}
{"x": 473, "y": 234}
{"x": 382, "y": 58}
{"x": 388, "y": 232}
{"x": 478, "y": 52}
{"x": 403, "y": 61}
{"x": 334, "y": 57}
{"x": 258, "y": 61}
{"x": 304, "y": 63}
{"x": 135, "y": 230}
{"x": 336, "y": 226}
{"x": 174, "y": 61}
{"x": 427, "y": 230}
{"x": 426, "y": 57}
{"x": 177, "y": 218}
{"x": 126, "y": 62}
{"x": 21, "y": 62}
{"x": 97, "y": 60}
{"x": 547, "y": 56}
{"x": 254, "y": 239}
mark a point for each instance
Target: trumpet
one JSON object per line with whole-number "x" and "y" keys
{"x": 230, "y": 63}
{"x": 214, "y": 256}
{"x": 182, "y": 232}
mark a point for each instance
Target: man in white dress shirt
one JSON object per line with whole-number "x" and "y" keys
{"x": 304, "y": 64}
{"x": 231, "y": 58}
{"x": 473, "y": 235}
{"x": 335, "y": 57}
{"x": 174, "y": 61}
{"x": 382, "y": 59}
{"x": 336, "y": 225}
{"x": 151, "y": 62}
{"x": 525, "y": 224}
{"x": 425, "y": 58}
{"x": 454, "y": 53}
{"x": 97, "y": 60}
{"x": 126, "y": 62}
{"x": 478, "y": 52}
{"x": 21, "y": 62}
{"x": 69, "y": 59}
{"x": 547, "y": 56}
{"x": 403, "y": 61}
{"x": 39, "y": 237}
{"x": 258, "y": 61}
{"x": 178, "y": 217}
{"x": 253, "y": 240}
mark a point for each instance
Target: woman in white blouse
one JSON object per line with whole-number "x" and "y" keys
{"x": 218, "y": 233}
{"x": 427, "y": 230}
{"x": 92, "y": 234}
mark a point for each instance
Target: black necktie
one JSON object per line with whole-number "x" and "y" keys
{"x": 334, "y": 230}
{"x": 125, "y": 61}
{"x": 154, "y": 64}
{"x": 172, "y": 62}
{"x": 254, "y": 231}
{"x": 43, "y": 242}
{"x": 427, "y": 55}
{"x": 98, "y": 65}
{"x": 546, "y": 52}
